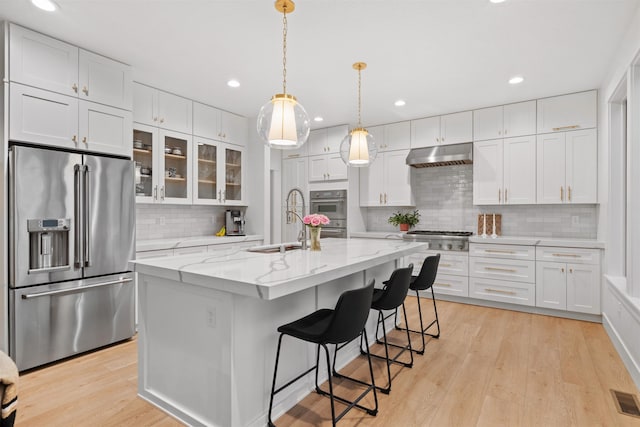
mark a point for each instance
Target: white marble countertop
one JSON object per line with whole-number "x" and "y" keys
{"x": 185, "y": 242}
{"x": 540, "y": 241}
{"x": 269, "y": 276}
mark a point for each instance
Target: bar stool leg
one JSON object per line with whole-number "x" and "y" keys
{"x": 273, "y": 385}
{"x": 435, "y": 309}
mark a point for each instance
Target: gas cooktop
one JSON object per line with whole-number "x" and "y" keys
{"x": 441, "y": 240}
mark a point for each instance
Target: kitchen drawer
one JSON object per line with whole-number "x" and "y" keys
{"x": 190, "y": 250}
{"x": 493, "y": 250}
{"x": 503, "y": 269}
{"x": 574, "y": 255}
{"x": 456, "y": 263}
{"x": 448, "y": 284}
{"x": 499, "y": 290}
{"x": 154, "y": 254}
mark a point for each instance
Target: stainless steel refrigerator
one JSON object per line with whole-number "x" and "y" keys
{"x": 71, "y": 236}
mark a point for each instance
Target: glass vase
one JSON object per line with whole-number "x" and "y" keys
{"x": 315, "y": 238}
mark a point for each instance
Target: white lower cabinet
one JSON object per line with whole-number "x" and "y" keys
{"x": 504, "y": 273}
{"x": 571, "y": 286}
{"x": 453, "y": 271}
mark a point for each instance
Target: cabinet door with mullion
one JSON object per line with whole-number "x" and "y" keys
{"x": 205, "y": 172}
{"x": 175, "y": 168}
{"x": 233, "y": 178}
{"x": 146, "y": 157}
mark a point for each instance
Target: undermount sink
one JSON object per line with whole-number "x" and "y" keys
{"x": 271, "y": 249}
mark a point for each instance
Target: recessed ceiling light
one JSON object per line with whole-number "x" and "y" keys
{"x": 399, "y": 103}
{"x": 318, "y": 119}
{"x": 233, "y": 83}
{"x": 47, "y": 5}
{"x": 516, "y": 80}
{"x": 496, "y": 1}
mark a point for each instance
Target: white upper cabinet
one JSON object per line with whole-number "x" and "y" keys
{"x": 456, "y": 128}
{"x": 158, "y": 108}
{"x": 505, "y": 121}
{"x": 210, "y": 122}
{"x": 105, "y": 81}
{"x": 104, "y": 129}
{"x": 567, "y": 167}
{"x": 327, "y": 140}
{"x": 425, "y": 132}
{"x": 504, "y": 171}
{"x": 50, "y": 64}
{"x": 377, "y": 132}
{"x": 43, "y": 62}
{"x": 449, "y": 129}
{"x": 397, "y": 136}
{"x": 387, "y": 181}
{"x": 568, "y": 112}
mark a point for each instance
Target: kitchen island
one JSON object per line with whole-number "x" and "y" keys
{"x": 207, "y": 328}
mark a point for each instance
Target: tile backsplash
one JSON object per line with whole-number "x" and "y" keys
{"x": 444, "y": 196}
{"x": 174, "y": 221}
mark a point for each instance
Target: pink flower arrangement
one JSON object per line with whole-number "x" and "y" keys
{"x": 315, "y": 220}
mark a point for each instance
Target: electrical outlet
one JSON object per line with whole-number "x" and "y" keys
{"x": 211, "y": 317}
{"x": 162, "y": 220}
{"x": 575, "y": 220}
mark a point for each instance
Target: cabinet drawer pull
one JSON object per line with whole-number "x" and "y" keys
{"x": 570, "y": 255}
{"x": 501, "y": 269}
{"x": 444, "y": 285}
{"x": 499, "y": 251}
{"x": 442, "y": 264}
{"x": 291, "y": 156}
{"x": 565, "y": 127}
{"x": 499, "y": 291}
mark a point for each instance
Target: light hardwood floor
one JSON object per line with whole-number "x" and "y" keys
{"x": 489, "y": 368}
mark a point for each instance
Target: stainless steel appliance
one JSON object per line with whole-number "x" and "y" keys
{"x": 441, "y": 155}
{"x": 71, "y": 236}
{"x": 234, "y": 223}
{"x": 441, "y": 240}
{"x": 333, "y": 204}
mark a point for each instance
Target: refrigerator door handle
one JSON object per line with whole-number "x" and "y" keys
{"x": 78, "y": 289}
{"x": 87, "y": 216}
{"x": 78, "y": 217}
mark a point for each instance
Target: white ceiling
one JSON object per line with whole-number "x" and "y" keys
{"x": 440, "y": 56}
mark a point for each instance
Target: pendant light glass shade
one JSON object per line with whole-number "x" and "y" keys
{"x": 283, "y": 123}
{"x": 358, "y": 149}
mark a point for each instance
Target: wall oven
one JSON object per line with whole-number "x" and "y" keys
{"x": 333, "y": 204}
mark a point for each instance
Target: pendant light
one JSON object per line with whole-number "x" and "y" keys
{"x": 358, "y": 149}
{"x": 283, "y": 123}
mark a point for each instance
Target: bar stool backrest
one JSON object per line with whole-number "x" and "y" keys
{"x": 396, "y": 289}
{"x": 350, "y": 315}
{"x": 427, "y": 275}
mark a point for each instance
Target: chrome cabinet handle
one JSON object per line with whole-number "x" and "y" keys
{"x": 80, "y": 289}
{"x": 85, "y": 90}
{"x": 75, "y": 88}
{"x": 162, "y": 193}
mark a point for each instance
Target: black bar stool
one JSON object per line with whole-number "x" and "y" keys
{"x": 423, "y": 281}
{"x": 338, "y": 326}
{"x": 390, "y": 298}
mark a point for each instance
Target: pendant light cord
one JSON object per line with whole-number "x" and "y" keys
{"x": 359, "y": 98}
{"x": 284, "y": 51}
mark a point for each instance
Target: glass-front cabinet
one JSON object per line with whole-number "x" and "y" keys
{"x": 163, "y": 168}
{"x": 219, "y": 171}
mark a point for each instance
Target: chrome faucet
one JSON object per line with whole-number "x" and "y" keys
{"x": 302, "y": 236}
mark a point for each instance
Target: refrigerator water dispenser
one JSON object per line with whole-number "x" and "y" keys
{"x": 48, "y": 245}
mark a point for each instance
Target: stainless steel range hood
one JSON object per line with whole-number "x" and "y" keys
{"x": 441, "y": 155}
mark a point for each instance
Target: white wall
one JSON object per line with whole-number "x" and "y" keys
{"x": 620, "y": 310}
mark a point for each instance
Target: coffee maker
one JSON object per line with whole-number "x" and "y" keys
{"x": 234, "y": 223}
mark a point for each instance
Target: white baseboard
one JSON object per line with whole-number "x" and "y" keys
{"x": 621, "y": 348}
